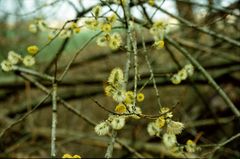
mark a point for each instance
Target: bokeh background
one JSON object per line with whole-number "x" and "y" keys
{"x": 199, "y": 107}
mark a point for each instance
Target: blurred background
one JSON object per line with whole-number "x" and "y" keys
{"x": 200, "y": 108}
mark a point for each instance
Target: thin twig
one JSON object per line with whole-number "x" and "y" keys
{"x": 33, "y": 11}
{"x": 209, "y": 50}
{"x": 225, "y": 10}
{"x": 128, "y": 114}
{"x": 129, "y": 45}
{"x": 132, "y": 46}
{"x": 109, "y": 151}
{"x": 218, "y": 146}
{"x": 135, "y": 53}
{"x": 34, "y": 73}
{"x": 204, "y": 30}
{"x": 24, "y": 116}
{"x": 151, "y": 72}
{"x": 75, "y": 56}
{"x": 206, "y": 122}
{"x": 76, "y": 112}
{"x": 57, "y": 56}
{"x": 206, "y": 74}
{"x": 227, "y": 141}
{"x": 54, "y": 120}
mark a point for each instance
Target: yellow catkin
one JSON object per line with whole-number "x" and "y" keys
{"x": 160, "y": 122}
{"x": 140, "y": 97}
{"x": 129, "y": 97}
{"x": 70, "y": 156}
{"x": 120, "y": 108}
{"x": 108, "y": 90}
{"x": 76, "y": 156}
{"x": 112, "y": 18}
{"x": 116, "y": 76}
{"x": 159, "y": 44}
{"x": 106, "y": 27}
{"x": 33, "y": 49}
{"x": 75, "y": 27}
{"x": 96, "y": 11}
{"x": 151, "y": 2}
{"x": 67, "y": 156}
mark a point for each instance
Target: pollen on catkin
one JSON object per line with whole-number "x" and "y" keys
{"x": 108, "y": 90}
{"x": 66, "y": 155}
{"x": 160, "y": 25}
{"x": 120, "y": 108}
{"x": 160, "y": 122}
{"x": 114, "y": 44}
{"x": 165, "y": 111}
{"x": 116, "y": 85}
{"x": 129, "y": 97}
{"x": 32, "y": 50}
{"x": 117, "y": 37}
{"x": 75, "y": 27}
{"x": 151, "y": 2}
{"x": 116, "y": 77}
{"x": 159, "y": 44}
{"x": 158, "y": 28}
{"x": 96, "y": 11}
{"x": 115, "y": 41}
{"x": 106, "y": 27}
{"x": 112, "y": 18}
{"x": 70, "y": 156}
{"x": 76, "y": 156}
{"x": 140, "y": 97}
{"x": 91, "y": 24}
{"x": 77, "y": 30}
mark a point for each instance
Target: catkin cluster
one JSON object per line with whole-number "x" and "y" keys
{"x": 186, "y": 71}
{"x": 164, "y": 125}
{"x": 158, "y": 30}
{"x": 37, "y": 25}
{"x": 14, "y": 58}
{"x": 168, "y": 129}
{"x": 113, "y": 40}
{"x": 70, "y": 28}
{"x": 116, "y": 89}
